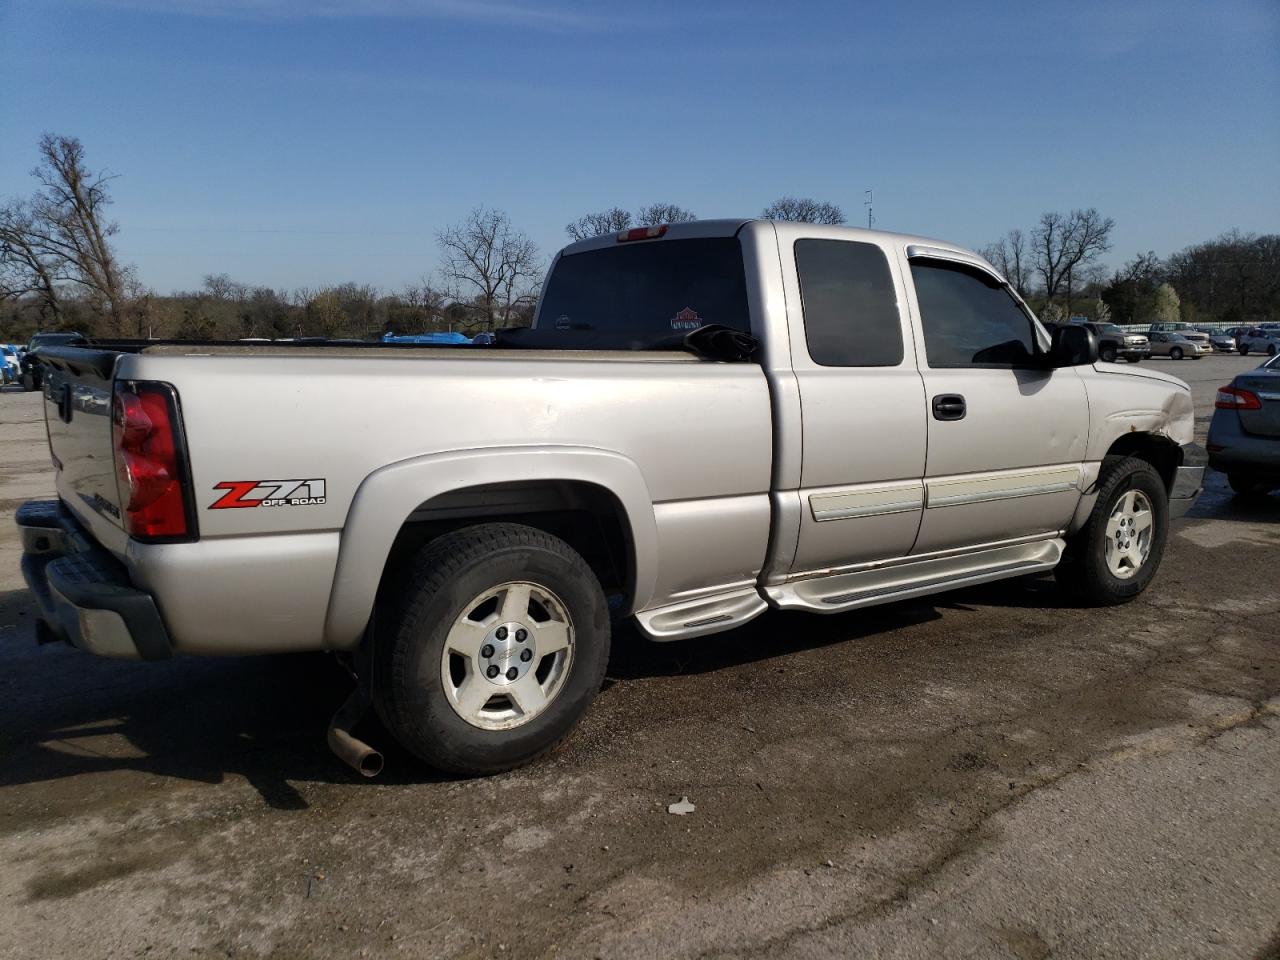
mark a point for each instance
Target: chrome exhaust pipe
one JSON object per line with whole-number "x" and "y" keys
{"x": 353, "y": 752}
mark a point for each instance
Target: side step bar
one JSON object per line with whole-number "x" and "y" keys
{"x": 864, "y": 588}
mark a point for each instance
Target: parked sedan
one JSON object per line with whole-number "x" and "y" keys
{"x": 1260, "y": 340}
{"x": 1244, "y": 434}
{"x": 1221, "y": 342}
{"x": 1175, "y": 346}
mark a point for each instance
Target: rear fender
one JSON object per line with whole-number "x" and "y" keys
{"x": 387, "y": 497}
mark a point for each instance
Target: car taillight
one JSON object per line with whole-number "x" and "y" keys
{"x": 150, "y": 461}
{"x": 642, "y": 233}
{"x": 1233, "y": 398}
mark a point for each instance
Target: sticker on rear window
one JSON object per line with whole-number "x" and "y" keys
{"x": 686, "y": 319}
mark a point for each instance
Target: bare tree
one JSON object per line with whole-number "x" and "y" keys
{"x": 69, "y": 225}
{"x": 1011, "y": 257}
{"x": 657, "y": 213}
{"x": 803, "y": 210}
{"x": 220, "y": 286}
{"x": 598, "y": 224}
{"x": 487, "y": 261}
{"x": 1063, "y": 243}
{"x": 26, "y": 270}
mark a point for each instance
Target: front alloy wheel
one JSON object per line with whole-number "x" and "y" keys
{"x": 1115, "y": 555}
{"x": 1128, "y": 542}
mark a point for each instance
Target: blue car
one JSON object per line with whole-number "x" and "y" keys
{"x": 425, "y": 338}
{"x": 9, "y": 364}
{"x": 1244, "y": 434}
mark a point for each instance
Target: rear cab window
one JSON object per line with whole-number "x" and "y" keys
{"x": 633, "y": 295}
{"x": 850, "y": 309}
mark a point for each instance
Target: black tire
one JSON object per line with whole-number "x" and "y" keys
{"x": 1244, "y": 349}
{"x": 1135, "y": 359}
{"x": 1108, "y": 354}
{"x": 408, "y": 645}
{"x": 1271, "y": 350}
{"x": 28, "y": 383}
{"x": 1175, "y": 353}
{"x": 1083, "y": 573}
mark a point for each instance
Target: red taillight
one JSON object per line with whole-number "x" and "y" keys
{"x": 150, "y": 472}
{"x": 1233, "y": 398}
{"x": 642, "y": 233}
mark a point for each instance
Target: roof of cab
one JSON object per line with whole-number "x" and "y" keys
{"x": 789, "y": 230}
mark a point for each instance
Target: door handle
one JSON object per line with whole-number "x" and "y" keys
{"x": 948, "y": 406}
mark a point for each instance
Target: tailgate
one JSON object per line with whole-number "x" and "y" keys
{"x": 77, "y": 412}
{"x": 1265, "y": 383}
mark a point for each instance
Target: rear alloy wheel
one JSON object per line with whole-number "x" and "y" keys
{"x": 1108, "y": 354}
{"x": 1116, "y": 554}
{"x": 1175, "y": 353}
{"x": 489, "y": 648}
{"x": 507, "y": 656}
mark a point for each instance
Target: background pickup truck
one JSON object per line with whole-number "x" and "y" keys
{"x": 885, "y": 419}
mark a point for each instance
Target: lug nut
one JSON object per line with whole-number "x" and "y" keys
{"x": 502, "y": 633}
{"x": 492, "y": 672}
{"x": 486, "y": 651}
{"x": 522, "y": 636}
{"x": 526, "y": 655}
{"x": 512, "y": 673}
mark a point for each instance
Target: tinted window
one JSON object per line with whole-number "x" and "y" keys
{"x": 850, "y": 310}
{"x": 969, "y": 319}
{"x": 629, "y": 296}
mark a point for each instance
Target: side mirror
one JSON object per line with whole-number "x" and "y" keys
{"x": 1072, "y": 346}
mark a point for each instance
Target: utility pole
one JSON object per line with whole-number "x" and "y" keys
{"x": 867, "y": 200}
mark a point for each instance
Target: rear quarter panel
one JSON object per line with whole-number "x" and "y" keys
{"x": 699, "y": 433}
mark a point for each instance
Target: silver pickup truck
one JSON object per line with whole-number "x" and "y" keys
{"x": 706, "y": 420}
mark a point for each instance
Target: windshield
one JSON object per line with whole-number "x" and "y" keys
{"x": 630, "y": 296}
{"x": 1112, "y": 330}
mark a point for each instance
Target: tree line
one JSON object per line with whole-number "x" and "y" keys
{"x": 1231, "y": 280}
{"x": 59, "y": 270}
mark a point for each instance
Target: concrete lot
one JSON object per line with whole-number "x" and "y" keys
{"x": 982, "y": 774}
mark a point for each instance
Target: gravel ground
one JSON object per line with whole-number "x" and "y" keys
{"x": 985, "y": 773}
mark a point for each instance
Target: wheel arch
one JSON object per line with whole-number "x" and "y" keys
{"x": 1162, "y": 452}
{"x": 596, "y": 500}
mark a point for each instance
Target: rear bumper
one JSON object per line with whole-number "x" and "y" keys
{"x": 1230, "y": 448}
{"x": 84, "y": 594}
{"x": 1188, "y": 480}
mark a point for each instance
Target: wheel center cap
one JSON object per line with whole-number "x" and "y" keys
{"x": 507, "y": 653}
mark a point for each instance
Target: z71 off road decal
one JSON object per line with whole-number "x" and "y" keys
{"x": 268, "y": 493}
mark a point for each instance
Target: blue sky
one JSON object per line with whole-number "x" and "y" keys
{"x": 295, "y": 143}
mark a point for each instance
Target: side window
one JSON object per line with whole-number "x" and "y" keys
{"x": 969, "y": 319}
{"x": 850, "y": 310}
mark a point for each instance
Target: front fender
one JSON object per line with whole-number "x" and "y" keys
{"x": 387, "y": 497}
